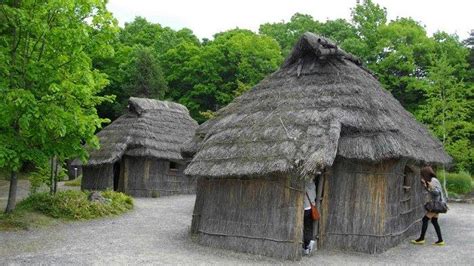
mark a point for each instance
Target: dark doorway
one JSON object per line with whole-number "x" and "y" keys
{"x": 116, "y": 175}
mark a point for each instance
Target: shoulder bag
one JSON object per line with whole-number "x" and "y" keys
{"x": 314, "y": 211}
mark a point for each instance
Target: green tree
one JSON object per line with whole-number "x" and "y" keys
{"x": 286, "y": 34}
{"x": 448, "y": 111}
{"x": 457, "y": 55}
{"x": 469, "y": 43}
{"x": 206, "y": 78}
{"x": 146, "y": 77}
{"x": 48, "y": 85}
{"x": 117, "y": 69}
{"x": 403, "y": 60}
{"x": 153, "y": 35}
{"x": 134, "y": 71}
{"x": 140, "y": 48}
{"x": 367, "y": 18}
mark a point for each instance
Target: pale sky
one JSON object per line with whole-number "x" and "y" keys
{"x": 207, "y": 17}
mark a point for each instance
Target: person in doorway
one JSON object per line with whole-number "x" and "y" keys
{"x": 433, "y": 186}
{"x": 310, "y": 194}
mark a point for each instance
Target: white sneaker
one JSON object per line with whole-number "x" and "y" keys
{"x": 311, "y": 246}
{"x": 306, "y": 252}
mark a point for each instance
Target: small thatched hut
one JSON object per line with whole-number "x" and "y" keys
{"x": 320, "y": 112}
{"x": 74, "y": 168}
{"x": 140, "y": 151}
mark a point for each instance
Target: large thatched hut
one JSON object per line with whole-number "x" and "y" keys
{"x": 321, "y": 112}
{"x": 140, "y": 151}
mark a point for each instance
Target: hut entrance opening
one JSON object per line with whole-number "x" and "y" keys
{"x": 319, "y": 185}
{"x": 116, "y": 175}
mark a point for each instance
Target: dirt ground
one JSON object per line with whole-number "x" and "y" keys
{"x": 156, "y": 232}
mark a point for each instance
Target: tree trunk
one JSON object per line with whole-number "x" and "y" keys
{"x": 12, "y": 193}
{"x": 51, "y": 185}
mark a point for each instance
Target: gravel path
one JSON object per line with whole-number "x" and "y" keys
{"x": 156, "y": 232}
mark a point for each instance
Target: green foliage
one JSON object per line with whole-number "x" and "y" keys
{"x": 402, "y": 63}
{"x": 286, "y": 34}
{"x": 48, "y": 85}
{"x": 146, "y": 77}
{"x": 119, "y": 202}
{"x": 42, "y": 176}
{"x": 458, "y": 183}
{"x": 154, "y": 36}
{"x": 469, "y": 43}
{"x": 74, "y": 205}
{"x": 206, "y": 78}
{"x": 367, "y": 18}
{"x": 136, "y": 69}
{"x": 448, "y": 110}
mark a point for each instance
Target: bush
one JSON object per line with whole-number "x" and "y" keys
{"x": 458, "y": 183}
{"x": 74, "y": 205}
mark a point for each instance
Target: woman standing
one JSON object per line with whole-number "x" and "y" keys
{"x": 308, "y": 242}
{"x": 433, "y": 186}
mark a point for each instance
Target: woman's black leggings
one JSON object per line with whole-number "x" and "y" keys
{"x": 307, "y": 229}
{"x": 434, "y": 221}
{"x": 424, "y": 227}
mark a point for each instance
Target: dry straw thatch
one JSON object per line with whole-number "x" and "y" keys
{"x": 320, "y": 104}
{"x": 150, "y": 128}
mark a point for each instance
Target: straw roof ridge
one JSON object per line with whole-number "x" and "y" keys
{"x": 323, "y": 48}
{"x": 141, "y": 105}
{"x": 150, "y": 128}
{"x": 320, "y": 104}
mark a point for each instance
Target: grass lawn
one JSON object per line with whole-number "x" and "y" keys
{"x": 26, "y": 220}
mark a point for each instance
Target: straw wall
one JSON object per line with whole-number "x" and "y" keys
{"x": 365, "y": 207}
{"x": 98, "y": 177}
{"x": 150, "y": 177}
{"x": 261, "y": 215}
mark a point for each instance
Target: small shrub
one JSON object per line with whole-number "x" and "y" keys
{"x": 458, "y": 183}
{"x": 74, "y": 205}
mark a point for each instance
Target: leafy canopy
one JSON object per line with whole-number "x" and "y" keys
{"x": 47, "y": 81}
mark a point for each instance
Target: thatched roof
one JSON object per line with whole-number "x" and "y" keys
{"x": 320, "y": 104}
{"x": 150, "y": 128}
